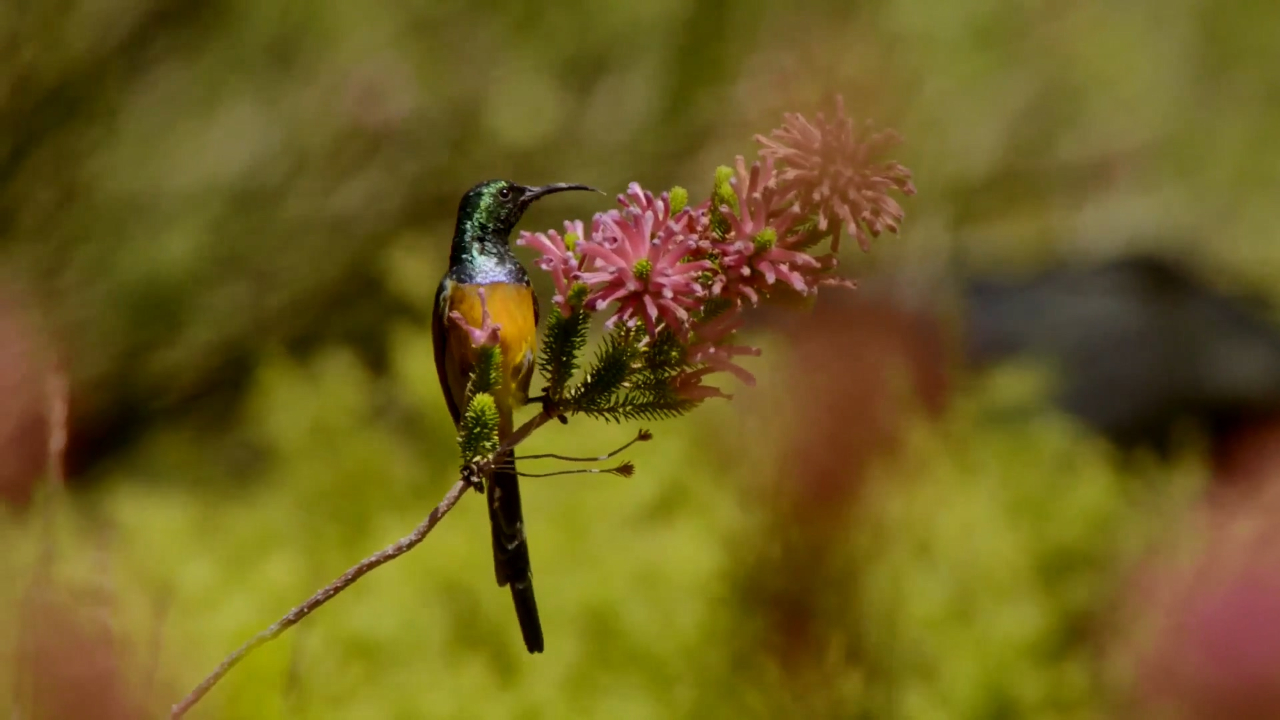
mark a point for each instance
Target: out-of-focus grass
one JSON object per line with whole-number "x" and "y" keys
{"x": 183, "y": 184}
{"x": 991, "y": 552}
{"x": 984, "y": 556}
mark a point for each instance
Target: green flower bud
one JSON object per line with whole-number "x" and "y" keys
{"x": 679, "y": 199}
{"x": 478, "y": 440}
{"x": 488, "y": 371}
{"x": 722, "y": 194}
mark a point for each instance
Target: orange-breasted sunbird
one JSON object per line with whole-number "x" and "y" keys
{"x": 481, "y": 258}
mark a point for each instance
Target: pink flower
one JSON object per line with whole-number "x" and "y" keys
{"x": 487, "y": 333}
{"x": 639, "y": 258}
{"x": 757, "y": 252}
{"x": 711, "y": 353}
{"x": 1202, "y": 616}
{"x": 830, "y": 171}
{"x": 558, "y": 258}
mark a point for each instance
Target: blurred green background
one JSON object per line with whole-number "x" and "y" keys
{"x": 230, "y": 217}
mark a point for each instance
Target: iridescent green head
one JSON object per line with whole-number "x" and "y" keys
{"x": 491, "y": 209}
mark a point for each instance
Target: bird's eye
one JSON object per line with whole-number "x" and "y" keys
{"x": 505, "y": 193}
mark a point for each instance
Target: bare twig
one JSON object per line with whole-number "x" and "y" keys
{"x": 326, "y": 594}
{"x": 159, "y": 616}
{"x": 361, "y": 569}
{"x": 57, "y": 447}
{"x": 642, "y": 436}
{"x": 626, "y": 469}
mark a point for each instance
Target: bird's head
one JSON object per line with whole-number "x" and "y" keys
{"x": 493, "y": 207}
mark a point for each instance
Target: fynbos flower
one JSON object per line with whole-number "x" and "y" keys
{"x": 693, "y": 269}
{"x": 712, "y": 352}
{"x": 830, "y": 170}
{"x": 637, "y": 259}
{"x": 558, "y": 258}
{"x": 756, "y": 250}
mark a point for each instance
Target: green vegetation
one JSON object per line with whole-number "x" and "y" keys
{"x": 191, "y": 192}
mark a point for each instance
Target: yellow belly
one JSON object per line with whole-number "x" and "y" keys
{"x": 511, "y": 308}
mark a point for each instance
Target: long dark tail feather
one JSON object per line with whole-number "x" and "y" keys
{"x": 527, "y": 614}
{"x": 511, "y": 551}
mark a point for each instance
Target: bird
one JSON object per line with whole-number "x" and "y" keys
{"x": 485, "y": 275}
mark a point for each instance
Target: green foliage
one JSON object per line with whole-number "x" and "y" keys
{"x": 679, "y": 199}
{"x": 812, "y": 236}
{"x": 971, "y": 579}
{"x": 478, "y": 436}
{"x": 631, "y": 381}
{"x": 656, "y": 404}
{"x": 722, "y": 195}
{"x": 562, "y": 345}
{"x": 966, "y": 582}
{"x": 649, "y": 393}
{"x": 993, "y": 550}
{"x": 663, "y": 358}
{"x": 487, "y": 375}
{"x": 715, "y": 307}
{"x": 216, "y": 559}
{"x": 199, "y": 210}
{"x": 614, "y": 362}
{"x": 1004, "y": 637}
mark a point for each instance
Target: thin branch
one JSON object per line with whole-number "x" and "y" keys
{"x": 56, "y": 385}
{"x": 642, "y": 436}
{"x": 326, "y": 594}
{"x": 626, "y": 469}
{"x": 361, "y": 569}
{"x": 526, "y": 429}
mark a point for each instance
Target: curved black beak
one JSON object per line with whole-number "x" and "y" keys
{"x": 534, "y": 193}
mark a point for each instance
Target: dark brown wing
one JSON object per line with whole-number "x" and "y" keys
{"x": 439, "y": 341}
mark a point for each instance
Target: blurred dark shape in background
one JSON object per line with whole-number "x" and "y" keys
{"x": 26, "y": 367}
{"x": 1141, "y": 348}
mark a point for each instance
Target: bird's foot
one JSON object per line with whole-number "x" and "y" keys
{"x": 471, "y": 476}
{"x": 550, "y": 408}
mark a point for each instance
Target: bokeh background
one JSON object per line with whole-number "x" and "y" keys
{"x": 222, "y": 224}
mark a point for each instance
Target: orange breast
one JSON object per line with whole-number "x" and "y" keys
{"x": 511, "y": 308}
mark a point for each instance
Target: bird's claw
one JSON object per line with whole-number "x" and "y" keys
{"x": 550, "y": 408}
{"x": 471, "y": 476}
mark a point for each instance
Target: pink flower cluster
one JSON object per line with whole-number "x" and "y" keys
{"x": 638, "y": 257}
{"x": 663, "y": 267}
{"x": 832, "y": 173}
{"x": 763, "y": 244}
